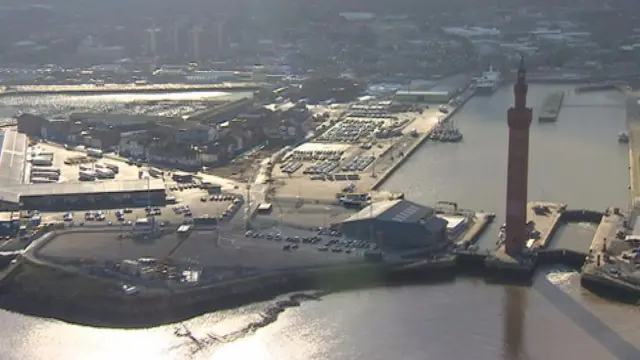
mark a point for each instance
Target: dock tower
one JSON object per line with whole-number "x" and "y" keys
{"x": 519, "y": 119}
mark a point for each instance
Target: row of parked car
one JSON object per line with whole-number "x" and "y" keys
{"x": 316, "y": 155}
{"x": 349, "y": 131}
{"x": 324, "y": 167}
{"x": 290, "y": 168}
{"x": 359, "y": 163}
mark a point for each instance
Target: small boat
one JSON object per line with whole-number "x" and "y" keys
{"x": 623, "y": 137}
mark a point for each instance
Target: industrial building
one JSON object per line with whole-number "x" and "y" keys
{"x": 13, "y": 151}
{"x": 83, "y": 195}
{"x": 396, "y": 225}
{"x": 423, "y": 96}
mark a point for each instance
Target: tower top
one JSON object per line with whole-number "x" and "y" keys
{"x": 520, "y": 89}
{"x": 522, "y": 72}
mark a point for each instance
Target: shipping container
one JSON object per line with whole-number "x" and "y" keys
{"x": 41, "y": 161}
{"x": 48, "y": 170}
{"x": 50, "y": 176}
{"x": 39, "y": 180}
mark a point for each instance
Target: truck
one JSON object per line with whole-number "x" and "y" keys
{"x": 112, "y": 167}
{"x": 86, "y": 175}
{"x": 50, "y": 176}
{"x": 105, "y": 174}
{"x": 41, "y": 180}
{"x": 184, "y": 230}
{"x": 48, "y": 170}
{"x": 41, "y": 161}
{"x": 155, "y": 172}
{"x": 93, "y": 152}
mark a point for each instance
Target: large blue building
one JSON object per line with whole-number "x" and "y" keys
{"x": 397, "y": 225}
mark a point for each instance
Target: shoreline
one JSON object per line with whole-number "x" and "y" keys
{"x": 46, "y": 291}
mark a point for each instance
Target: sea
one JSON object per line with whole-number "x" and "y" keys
{"x": 577, "y": 161}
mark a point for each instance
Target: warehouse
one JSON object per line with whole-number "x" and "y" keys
{"x": 13, "y": 151}
{"x": 396, "y": 225}
{"x": 423, "y": 96}
{"x": 83, "y": 195}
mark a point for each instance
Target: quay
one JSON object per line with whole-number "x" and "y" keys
{"x": 543, "y": 219}
{"x": 610, "y": 268}
{"x": 599, "y": 87}
{"x": 464, "y": 98}
{"x": 551, "y": 107}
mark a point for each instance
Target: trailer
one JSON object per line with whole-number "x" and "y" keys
{"x": 50, "y": 176}
{"x": 112, "y": 167}
{"x": 48, "y": 170}
{"x": 40, "y": 180}
{"x": 105, "y": 174}
{"x": 86, "y": 175}
{"x": 156, "y": 172}
{"x": 97, "y": 153}
{"x": 41, "y": 161}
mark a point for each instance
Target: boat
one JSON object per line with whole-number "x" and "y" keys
{"x": 623, "y": 137}
{"x": 489, "y": 82}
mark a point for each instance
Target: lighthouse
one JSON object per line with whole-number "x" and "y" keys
{"x": 519, "y": 121}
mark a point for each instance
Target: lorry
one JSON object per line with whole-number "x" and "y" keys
{"x": 86, "y": 175}
{"x": 105, "y": 174}
{"x": 93, "y": 152}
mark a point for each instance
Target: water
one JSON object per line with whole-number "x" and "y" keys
{"x": 577, "y": 161}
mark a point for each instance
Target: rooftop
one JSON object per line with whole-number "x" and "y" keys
{"x": 14, "y": 193}
{"x": 394, "y": 210}
{"x": 12, "y": 157}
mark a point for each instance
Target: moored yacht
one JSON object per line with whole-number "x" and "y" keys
{"x": 489, "y": 82}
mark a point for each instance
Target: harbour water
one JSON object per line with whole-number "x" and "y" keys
{"x": 576, "y": 160}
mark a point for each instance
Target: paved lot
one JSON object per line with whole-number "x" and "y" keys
{"x": 202, "y": 246}
{"x": 69, "y": 173}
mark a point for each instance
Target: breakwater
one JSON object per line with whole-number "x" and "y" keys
{"x": 551, "y": 107}
{"x": 597, "y": 87}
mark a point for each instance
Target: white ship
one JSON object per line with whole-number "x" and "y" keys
{"x": 489, "y": 82}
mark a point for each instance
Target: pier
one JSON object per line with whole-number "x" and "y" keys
{"x": 543, "y": 219}
{"x": 551, "y": 107}
{"x": 633, "y": 126}
{"x": 609, "y": 268}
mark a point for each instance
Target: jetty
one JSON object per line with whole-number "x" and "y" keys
{"x": 551, "y": 107}
{"x": 543, "y": 219}
{"x": 610, "y": 267}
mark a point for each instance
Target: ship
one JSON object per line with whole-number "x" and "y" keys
{"x": 623, "y": 137}
{"x": 489, "y": 82}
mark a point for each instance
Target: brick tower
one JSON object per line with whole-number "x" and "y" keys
{"x": 519, "y": 120}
